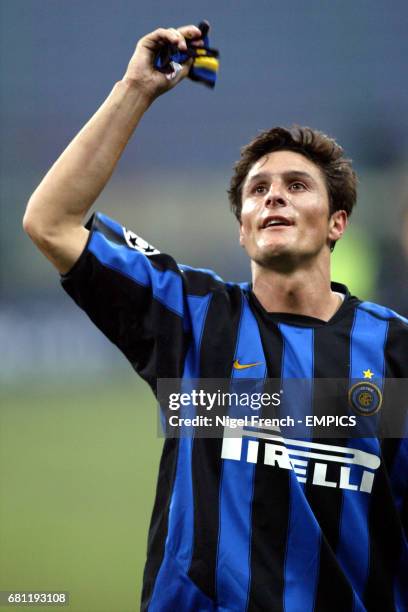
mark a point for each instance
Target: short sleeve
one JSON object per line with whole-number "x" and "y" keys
{"x": 135, "y": 296}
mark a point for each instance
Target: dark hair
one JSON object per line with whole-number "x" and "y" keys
{"x": 341, "y": 180}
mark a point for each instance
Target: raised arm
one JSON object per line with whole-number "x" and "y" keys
{"x": 55, "y": 211}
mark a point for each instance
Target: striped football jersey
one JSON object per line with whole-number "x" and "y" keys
{"x": 257, "y": 522}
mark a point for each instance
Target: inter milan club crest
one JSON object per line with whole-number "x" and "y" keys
{"x": 136, "y": 242}
{"x": 366, "y": 398}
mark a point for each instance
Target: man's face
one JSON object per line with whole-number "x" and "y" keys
{"x": 285, "y": 210}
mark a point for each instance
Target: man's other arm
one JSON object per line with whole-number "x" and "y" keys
{"x": 55, "y": 211}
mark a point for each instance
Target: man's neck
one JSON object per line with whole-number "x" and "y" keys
{"x": 304, "y": 291}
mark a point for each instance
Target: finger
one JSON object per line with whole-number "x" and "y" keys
{"x": 181, "y": 73}
{"x": 186, "y": 68}
{"x": 160, "y": 37}
{"x": 181, "y": 41}
{"x": 190, "y": 32}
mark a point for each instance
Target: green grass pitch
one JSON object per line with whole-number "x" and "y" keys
{"x": 78, "y": 469}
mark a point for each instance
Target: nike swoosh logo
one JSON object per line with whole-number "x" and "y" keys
{"x": 244, "y": 366}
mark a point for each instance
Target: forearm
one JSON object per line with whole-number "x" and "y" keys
{"x": 76, "y": 179}
{"x": 56, "y": 209}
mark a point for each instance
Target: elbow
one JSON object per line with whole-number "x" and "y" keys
{"x": 28, "y": 225}
{"x": 31, "y": 224}
{"x": 34, "y": 226}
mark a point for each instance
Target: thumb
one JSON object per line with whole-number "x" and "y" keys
{"x": 180, "y": 72}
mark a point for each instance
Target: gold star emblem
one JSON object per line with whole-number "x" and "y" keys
{"x": 368, "y": 373}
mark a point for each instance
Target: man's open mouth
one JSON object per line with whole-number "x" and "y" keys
{"x": 276, "y": 221}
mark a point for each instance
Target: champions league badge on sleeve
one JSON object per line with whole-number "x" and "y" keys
{"x": 366, "y": 398}
{"x": 138, "y": 244}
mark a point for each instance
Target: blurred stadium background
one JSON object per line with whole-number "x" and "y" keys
{"x": 78, "y": 436}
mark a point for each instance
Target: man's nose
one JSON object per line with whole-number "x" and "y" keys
{"x": 275, "y": 197}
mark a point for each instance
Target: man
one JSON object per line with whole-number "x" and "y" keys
{"x": 256, "y": 522}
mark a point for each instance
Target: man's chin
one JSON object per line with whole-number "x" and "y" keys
{"x": 273, "y": 252}
{"x": 275, "y": 257}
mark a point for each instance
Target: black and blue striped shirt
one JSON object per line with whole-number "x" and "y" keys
{"x": 232, "y": 530}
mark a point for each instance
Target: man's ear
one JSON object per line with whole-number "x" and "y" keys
{"x": 337, "y": 225}
{"x": 241, "y": 235}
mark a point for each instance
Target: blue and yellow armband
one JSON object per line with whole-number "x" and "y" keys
{"x": 206, "y": 63}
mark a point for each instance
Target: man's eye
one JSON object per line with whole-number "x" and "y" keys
{"x": 297, "y": 186}
{"x": 260, "y": 189}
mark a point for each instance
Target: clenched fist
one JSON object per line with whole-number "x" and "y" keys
{"x": 141, "y": 71}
